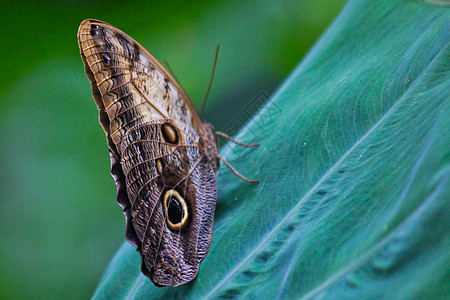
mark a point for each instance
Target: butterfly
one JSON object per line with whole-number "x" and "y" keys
{"x": 163, "y": 157}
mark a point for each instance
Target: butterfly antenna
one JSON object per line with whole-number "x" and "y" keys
{"x": 171, "y": 71}
{"x": 212, "y": 78}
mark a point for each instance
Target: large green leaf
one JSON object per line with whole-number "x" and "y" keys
{"x": 353, "y": 199}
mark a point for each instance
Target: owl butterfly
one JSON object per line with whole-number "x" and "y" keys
{"x": 163, "y": 157}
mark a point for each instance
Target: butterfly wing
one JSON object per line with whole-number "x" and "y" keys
{"x": 166, "y": 184}
{"x": 115, "y": 63}
{"x": 171, "y": 246}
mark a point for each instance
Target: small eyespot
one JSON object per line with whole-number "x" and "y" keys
{"x": 159, "y": 165}
{"x": 169, "y": 133}
{"x": 106, "y": 59}
{"x": 98, "y": 43}
{"x": 93, "y": 30}
{"x": 175, "y": 210}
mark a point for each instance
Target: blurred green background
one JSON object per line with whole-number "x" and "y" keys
{"x": 60, "y": 224}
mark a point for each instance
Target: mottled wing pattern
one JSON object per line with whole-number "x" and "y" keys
{"x": 165, "y": 181}
{"x": 126, "y": 77}
{"x": 170, "y": 257}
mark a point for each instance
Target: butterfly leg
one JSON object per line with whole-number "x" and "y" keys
{"x": 235, "y": 171}
{"x": 235, "y": 141}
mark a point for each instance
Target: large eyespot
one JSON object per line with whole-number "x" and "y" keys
{"x": 169, "y": 133}
{"x": 175, "y": 210}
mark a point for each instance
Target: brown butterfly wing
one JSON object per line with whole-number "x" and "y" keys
{"x": 154, "y": 134}
{"x": 125, "y": 76}
{"x": 170, "y": 257}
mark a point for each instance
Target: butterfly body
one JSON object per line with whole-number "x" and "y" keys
{"x": 163, "y": 157}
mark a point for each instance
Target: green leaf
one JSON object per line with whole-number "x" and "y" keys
{"x": 353, "y": 199}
